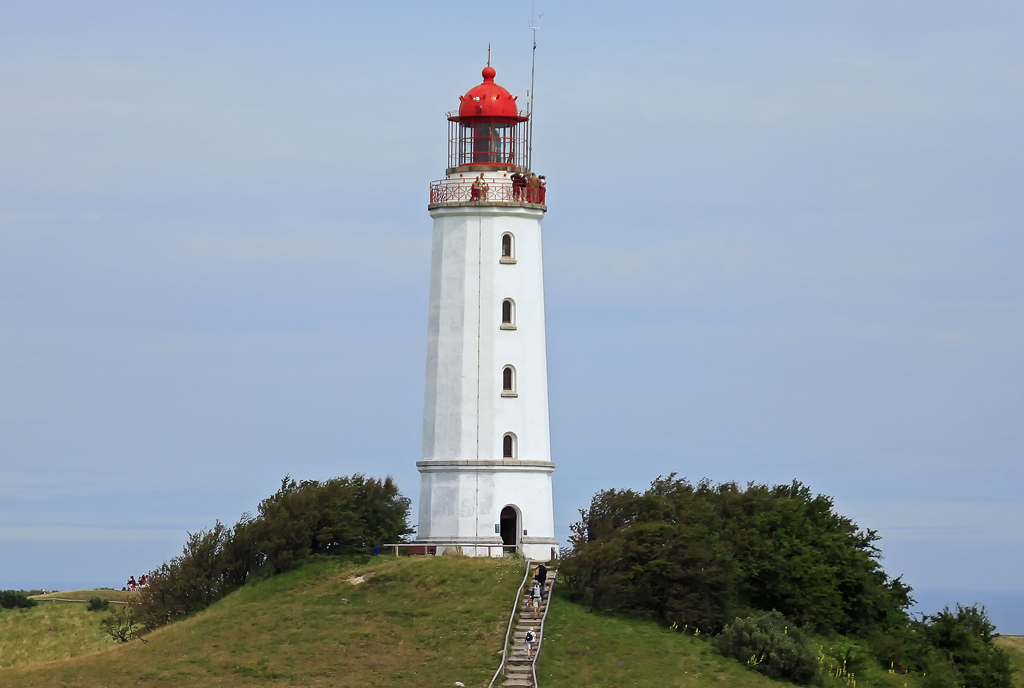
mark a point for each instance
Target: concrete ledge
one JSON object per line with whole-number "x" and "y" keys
{"x": 495, "y": 207}
{"x": 484, "y": 465}
{"x": 467, "y": 541}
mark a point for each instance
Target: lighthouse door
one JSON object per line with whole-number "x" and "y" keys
{"x": 509, "y": 529}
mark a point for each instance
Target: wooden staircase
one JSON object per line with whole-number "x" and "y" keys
{"x": 519, "y": 670}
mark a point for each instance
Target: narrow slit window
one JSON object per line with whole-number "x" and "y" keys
{"x": 507, "y": 379}
{"x": 507, "y": 314}
{"x": 508, "y": 382}
{"x": 508, "y": 446}
{"x": 508, "y": 248}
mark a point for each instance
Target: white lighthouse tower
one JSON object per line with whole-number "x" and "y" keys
{"x": 486, "y": 467}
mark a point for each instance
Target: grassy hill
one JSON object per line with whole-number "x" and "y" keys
{"x": 598, "y": 650}
{"x": 116, "y": 595}
{"x": 1014, "y": 646}
{"x": 48, "y": 632}
{"x": 413, "y": 622}
{"x": 610, "y": 651}
{"x": 420, "y": 621}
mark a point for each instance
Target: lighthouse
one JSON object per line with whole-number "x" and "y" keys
{"x": 486, "y": 469}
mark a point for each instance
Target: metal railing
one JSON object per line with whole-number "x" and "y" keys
{"x": 540, "y": 632}
{"x": 511, "y": 620}
{"x": 66, "y": 599}
{"x": 494, "y": 191}
{"x": 430, "y": 548}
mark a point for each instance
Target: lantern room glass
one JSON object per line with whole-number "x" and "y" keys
{"x": 488, "y": 143}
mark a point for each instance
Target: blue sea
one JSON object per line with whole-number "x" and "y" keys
{"x": 1005, "y": 606}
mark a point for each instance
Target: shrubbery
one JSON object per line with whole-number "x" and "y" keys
{"x": 769, "y": 644}
{"x": 338, "y": 516}
{"x": 702, "y": 555}
{"x": 97, "y": 604}
{"x": 740, "y": 562}
{"x": 123, "y": 624}
{"x": 963, "y": 640}
{"x": 16, "y": 599}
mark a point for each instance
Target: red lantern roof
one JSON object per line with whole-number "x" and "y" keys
{"x": 488, "y": 101}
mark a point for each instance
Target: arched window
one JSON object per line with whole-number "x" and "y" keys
{"x": 508, "y": 248}
{"x": 508, "y": 446}
{"x": 508, "y": 314}
{"x": 508, "y": 382}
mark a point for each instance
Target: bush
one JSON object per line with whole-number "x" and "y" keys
{"x": 123, "y": 624}
{"x": 97, "y": 604}
{"x": 16, "y": 599}
{"x": 701, "y": 555}
{"x": 190, "y": 582}
{"x": 768, "y": 643}
{"x": 339, "y": 516}
{"x": 965, "y": 638}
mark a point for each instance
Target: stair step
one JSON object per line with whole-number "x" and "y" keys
{"x": 518, "y": 665}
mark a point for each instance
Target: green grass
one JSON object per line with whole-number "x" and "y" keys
{"x": 600, "y": 650}
{"x": 1014, "y": 646}
{"x": 418, "y": 621}
{"x": 49, "y": 631}
{"x": 116, "y": 595}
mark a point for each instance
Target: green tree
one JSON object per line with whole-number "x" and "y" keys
{"x": 338, "y": 516}
{"x": 701, "y": 554}
{"x": 965, "y": 637}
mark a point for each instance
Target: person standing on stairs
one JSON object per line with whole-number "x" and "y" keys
{"x": 530, "y": 639}
{"x": 541, "y": 576}
{"x": 535, "y": 598}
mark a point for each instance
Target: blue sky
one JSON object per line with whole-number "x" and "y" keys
{"x": 784, "y": 241}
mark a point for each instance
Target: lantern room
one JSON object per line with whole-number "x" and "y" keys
{"x": 489, "y": 132}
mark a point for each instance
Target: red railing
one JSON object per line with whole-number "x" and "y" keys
{"x": 496, "y": 191}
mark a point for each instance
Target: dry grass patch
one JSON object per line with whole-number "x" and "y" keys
{"x": 48, "y": 632}
{"x": 1014, "y": 646}
{"x": 86, "y": 595}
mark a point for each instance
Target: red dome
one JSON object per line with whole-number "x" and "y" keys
{"x": 488, "y": 100}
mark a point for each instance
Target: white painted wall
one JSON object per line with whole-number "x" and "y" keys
{"x": 465, "y": 481}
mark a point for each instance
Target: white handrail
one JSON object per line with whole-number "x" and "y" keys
{"x": 511, "y": 620}
{"x": 540, "y": 633}
{"x": 65, "y": 599}
{"x": 396, "y": 545}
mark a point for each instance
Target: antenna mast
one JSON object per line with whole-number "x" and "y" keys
{"x": 530, "y": 95}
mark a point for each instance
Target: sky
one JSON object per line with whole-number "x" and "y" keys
{"x": 783, "y": 242}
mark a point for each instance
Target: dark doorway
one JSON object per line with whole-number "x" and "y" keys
{"x": 509, "y": 529}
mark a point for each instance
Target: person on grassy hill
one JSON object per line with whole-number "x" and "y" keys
{"x": 530, "y": 640}
{"x": 541, "y": 576}
{"x": 131, "y": 583}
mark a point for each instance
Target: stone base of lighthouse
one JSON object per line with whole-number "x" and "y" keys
{"x": 488, "y": 507}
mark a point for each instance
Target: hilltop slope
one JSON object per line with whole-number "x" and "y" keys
{"x": 421, "y": 621}
{"x": 1014, "y": 646}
